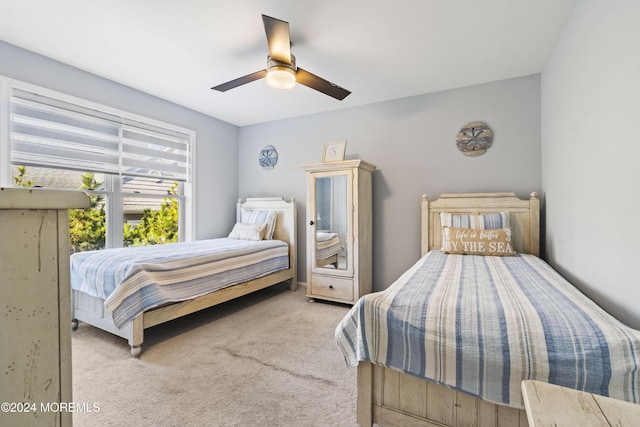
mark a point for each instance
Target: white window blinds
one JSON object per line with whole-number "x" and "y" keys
{"x": 54, "y": 133}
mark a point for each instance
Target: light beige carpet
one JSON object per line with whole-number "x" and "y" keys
{"x": 267, "y": 359}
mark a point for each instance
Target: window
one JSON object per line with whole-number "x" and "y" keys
{"x": 136, "y": 170}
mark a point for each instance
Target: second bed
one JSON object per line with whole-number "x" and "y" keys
{"x": 127, "y": 290}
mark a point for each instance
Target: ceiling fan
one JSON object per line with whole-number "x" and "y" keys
{"x": 281, "y": 71}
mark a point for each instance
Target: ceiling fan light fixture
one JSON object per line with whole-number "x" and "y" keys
{"x": 281, "y": 71}
{"x": 281, "y": 77}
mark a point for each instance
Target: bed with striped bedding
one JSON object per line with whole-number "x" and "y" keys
{"x": 482, "y": 324}
{"x": 127, "y": 291}
{"x": 135, "y": 279}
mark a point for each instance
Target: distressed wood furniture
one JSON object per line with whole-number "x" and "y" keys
{"x": 339, "y": 200}
{"x": 91, "y": 310}
{"x": 34, "y": 305}
{"x": 391, "y": 398}
{"x": 550, "y": 405}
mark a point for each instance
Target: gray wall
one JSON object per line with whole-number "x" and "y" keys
{"x": 590, "y": 152}
{"x": 216, "y": 142}
{"x": 412, "y": 141}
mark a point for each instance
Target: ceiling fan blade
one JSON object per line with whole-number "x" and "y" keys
{"x": 321, "y": 85}
{"x": 277, "y": 32}
{"x": 240, "y": 81}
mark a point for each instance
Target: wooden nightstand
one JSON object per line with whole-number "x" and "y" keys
{"x": 555, "y": 406}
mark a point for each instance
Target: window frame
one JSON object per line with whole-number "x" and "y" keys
{"x": 113, "y": 190}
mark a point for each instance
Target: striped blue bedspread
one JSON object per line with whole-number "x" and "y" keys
{"x": 482, "y": 324}
{"x": 135, "y": 279}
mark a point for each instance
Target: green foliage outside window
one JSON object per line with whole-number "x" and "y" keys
{"x": 155, "y": 227}
{"x": 87, "y": 227}
{"x": 19, "y": 181}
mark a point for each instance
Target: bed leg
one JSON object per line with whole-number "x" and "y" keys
{"x": 74, "y": 324}
{"x": 137, "y": 335}
{"x": 364, "y": 409}
{"x": 136, "y": 350}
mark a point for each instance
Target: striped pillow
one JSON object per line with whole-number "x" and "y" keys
{"x": 478, "y": 222}
{"x": 259, "y": 216}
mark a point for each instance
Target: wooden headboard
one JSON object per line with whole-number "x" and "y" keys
{"x": 286, "y": 222}
{"x": 524, "y": 217}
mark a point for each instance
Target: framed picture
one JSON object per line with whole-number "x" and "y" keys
{"x": 334, "y": 151}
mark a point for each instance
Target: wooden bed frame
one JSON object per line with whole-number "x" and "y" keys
{"x": 391, "y": 398}
{"x": 331, "y": 260}
{"x": 91, "y": 309}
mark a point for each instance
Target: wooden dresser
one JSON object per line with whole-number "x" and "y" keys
{"x": 35, "y": 317}
{"x": 550, "y": 405}
{"x": 339, "y": 202}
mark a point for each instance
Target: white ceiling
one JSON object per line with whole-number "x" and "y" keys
{"x": 379, "y": 50}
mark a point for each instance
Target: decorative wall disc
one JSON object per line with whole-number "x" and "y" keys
{"x": 268, "y": 157}
{"x": 474, "y": 139}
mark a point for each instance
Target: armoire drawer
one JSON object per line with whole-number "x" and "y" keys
{"x": 331, "y": 287}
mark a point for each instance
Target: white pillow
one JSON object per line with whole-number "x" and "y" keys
{"x": 260, "y": 216}
{"x": 242, "y": 231}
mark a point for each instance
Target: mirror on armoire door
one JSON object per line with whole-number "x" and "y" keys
{"x": 331, "y": 222}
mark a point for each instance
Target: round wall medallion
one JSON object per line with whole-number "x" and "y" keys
{"x": 268, "y": 157}
{"x": 474, "y": 138}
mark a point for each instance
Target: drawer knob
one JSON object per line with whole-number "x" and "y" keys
{"x": 330, "y": 286}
